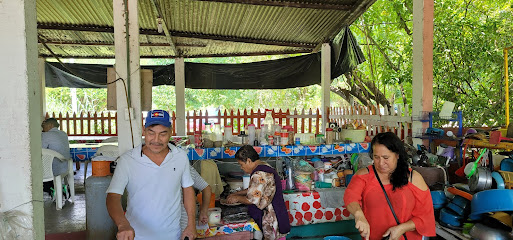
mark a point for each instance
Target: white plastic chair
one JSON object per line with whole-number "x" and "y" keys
{"x": 48, "y": 156}
{"x": 104, "y": 153}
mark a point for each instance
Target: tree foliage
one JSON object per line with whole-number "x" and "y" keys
{"x": 469, "y": 36}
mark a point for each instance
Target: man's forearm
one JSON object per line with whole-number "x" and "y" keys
{"x": 189, "y": 203}
{"x": 115, "y": 209}
{"x": 206, "y": 197}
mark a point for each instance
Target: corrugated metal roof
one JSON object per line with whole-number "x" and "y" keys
{"x": 84, "y": 28}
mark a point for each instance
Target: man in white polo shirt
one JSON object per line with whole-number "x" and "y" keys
{"x": 153, "y": 174}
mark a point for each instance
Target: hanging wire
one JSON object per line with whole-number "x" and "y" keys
{"x": 128, "y": 106}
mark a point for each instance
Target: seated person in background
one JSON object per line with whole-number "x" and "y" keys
{"x": 264, "y": 195}
{"x": 57, "y": 140}
{"x": 206, "y": 192}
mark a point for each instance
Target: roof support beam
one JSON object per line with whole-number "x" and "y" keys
{"x": 102, "y": 44}
{"x": 294, "y": 4}
{"x": 158, "y": 12}
{"x": 108, "y": 29}
{"x": 348, "y": 19}
{"x": 194, "y": 56}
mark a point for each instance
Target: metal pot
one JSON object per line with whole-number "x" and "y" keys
{"x": 480, "y": 231}
{"x": 481, "y": 180}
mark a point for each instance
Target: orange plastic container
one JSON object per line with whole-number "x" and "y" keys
{"x": 101, "y": 168}
{"x": 212, "y": 203}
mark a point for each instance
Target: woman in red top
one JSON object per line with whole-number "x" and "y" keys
{"x": 406, "y": 189}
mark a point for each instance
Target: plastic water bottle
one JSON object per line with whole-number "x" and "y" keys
{"x": 251, "y": 133}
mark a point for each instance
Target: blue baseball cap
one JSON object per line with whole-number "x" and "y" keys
{"x": 160, "y": 117}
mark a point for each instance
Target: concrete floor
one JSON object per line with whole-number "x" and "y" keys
{"x": 72, "y": 216}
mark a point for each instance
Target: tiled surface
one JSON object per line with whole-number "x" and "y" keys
{"x": 279, "y": 151}
{"x": 83, "y": 152}
{"x": 72, "y": 216}
{"x": 305, "y": 208}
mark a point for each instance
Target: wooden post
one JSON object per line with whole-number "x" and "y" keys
{"x": 180, "y": 96}
{"x": 422, "y": 70}
{"x": 325, "y": 83}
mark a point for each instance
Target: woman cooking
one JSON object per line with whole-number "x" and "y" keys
{"x": 264, "y": 195}
{"x": 406, "y": 191}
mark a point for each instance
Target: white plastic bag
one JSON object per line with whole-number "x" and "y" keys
{"x": 14, "y": 225}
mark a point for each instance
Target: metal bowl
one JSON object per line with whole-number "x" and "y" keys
{"x": 450, "y": 218}
{"x": 507, "y": 165}
{"x": 494, "y": 200}
{"x": 481, "y": 180}
{"x": 439, "y": 198}
{"x": 497, "y": 178}
{"x": 482, "y": 232}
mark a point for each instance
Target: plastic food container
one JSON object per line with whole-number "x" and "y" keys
{"x": 353, "y": 135}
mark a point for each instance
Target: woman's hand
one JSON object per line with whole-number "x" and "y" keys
{"x": 362, "y": 225}
{"x": 394, "y": 232}
{"x": 232, "y": 198}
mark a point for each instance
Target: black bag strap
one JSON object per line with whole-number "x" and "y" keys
{"x": 388, "y": 200}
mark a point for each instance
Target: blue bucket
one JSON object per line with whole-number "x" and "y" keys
{"x": 336, "y": 238}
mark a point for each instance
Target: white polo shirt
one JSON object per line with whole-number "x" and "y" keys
{"x": 154, "y": 192}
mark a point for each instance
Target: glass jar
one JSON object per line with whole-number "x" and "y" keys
{"x": 319, "y": 139}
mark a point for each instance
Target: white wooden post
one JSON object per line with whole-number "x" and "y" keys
{"x": 325, "y": 83}
{"x": 21, "y": 166}
{"x": 422, "y": 87}
{"x": 127, "y": 68}
{"x": 180, "y": 97}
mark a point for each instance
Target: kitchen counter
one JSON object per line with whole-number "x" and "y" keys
{"x": 305, "y": 208}
{"x": 237, "y": 229}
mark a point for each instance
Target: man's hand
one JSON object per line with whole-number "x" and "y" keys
{"x": 203, "y": 217}
{"x": 125, "y": 232}
{"x": 190, "y": 232}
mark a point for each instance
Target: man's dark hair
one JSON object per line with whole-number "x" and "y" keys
{"x": 246, "y": 152}
{"x": 401, "y": 173}
{"x": 52, "y": 121}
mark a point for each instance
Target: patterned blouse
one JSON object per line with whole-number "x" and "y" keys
{"x": 261, "y": 193}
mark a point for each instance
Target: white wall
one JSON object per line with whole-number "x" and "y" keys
{"x": 20, "y": 114}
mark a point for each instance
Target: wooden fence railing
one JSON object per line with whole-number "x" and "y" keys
{"x": 87, "y": 124}
{"x": 395, "y": 120}
{"x": 303, "y": 121}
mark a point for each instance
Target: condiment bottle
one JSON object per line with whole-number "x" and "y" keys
{"x": 284, "y": 136}
{"x": 244, "y": 137}
{"x": 330, "y": 136}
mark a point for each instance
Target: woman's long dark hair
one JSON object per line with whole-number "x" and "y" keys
{"x": 400, "y": 175}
